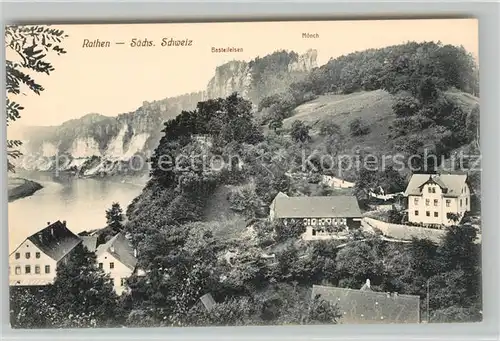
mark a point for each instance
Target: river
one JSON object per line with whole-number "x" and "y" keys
{"x": 81, "y": 202}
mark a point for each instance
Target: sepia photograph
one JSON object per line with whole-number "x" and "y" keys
{"x": 244, "y": 173}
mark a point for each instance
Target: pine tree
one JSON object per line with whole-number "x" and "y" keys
{"x": 114, "y": 217}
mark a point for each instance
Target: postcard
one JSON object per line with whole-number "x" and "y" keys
{"x": 244, "y": 173}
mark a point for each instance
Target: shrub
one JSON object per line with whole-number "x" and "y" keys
{"x": 358, "y": 128}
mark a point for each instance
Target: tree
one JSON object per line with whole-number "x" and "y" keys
{"x": 114, "y": 217}
{"x": 358, "y": 127}
{"x": 458, "y": 250}
{"x": 300, "y": 131}
{"x": 357, "y": 262}
{"x": 405, "y": 105}
{"x": 472, "y": 125}
{"x": 31, "y": 309}
{"x": 83, "y": 293}
{"x": 30, "y": 45}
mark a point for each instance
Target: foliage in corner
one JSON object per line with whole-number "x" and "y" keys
{"x": 31, "y": 45}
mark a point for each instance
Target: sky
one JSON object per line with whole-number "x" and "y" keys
{"x": 117, "y": 79}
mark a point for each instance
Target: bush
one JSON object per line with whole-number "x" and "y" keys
{"x": 405, "y": 105}
{"x": 358, "y": 128}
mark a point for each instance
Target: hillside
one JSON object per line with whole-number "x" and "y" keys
{"x": 373, "y": 107}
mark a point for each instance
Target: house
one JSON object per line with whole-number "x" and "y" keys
{"x": 90, "y": 242}
{"x": 432, "y": 198}
{"x": 365, "y": 306}
{"x": 324, "y": 217}
{"x": 334, "y": 182}
{"x": 35, "y": 260}
{"x": 118, "y": 259}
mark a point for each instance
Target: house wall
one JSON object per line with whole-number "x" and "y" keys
{"x": 32, "y": 278}
{"x": 321, "y": 228}
{"x": 119, "y": 272}
{"x": 436, "y": 202}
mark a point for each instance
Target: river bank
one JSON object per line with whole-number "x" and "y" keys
{"x": 19, "y": 188}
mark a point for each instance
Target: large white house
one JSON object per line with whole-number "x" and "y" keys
{"x": 432, "y": 198}
{"x": 118, "y": 259}
{"x": 34, "y": 262}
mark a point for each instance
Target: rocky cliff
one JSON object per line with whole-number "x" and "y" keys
{"x": 100, "y": 145}
{"x": 262, "y": 76}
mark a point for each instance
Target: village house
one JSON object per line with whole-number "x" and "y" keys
{"x": 335, "y": 182}
{"x": 35, "y": 260}
{"x": 326, "y": 217}
{"x": 118, "y": 259}
{"x": 365, "y": 306}
{"x": 435, "y": 199}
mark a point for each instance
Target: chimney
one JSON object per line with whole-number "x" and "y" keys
{"x": 64, "y": 223}
{"x": 48, "y": 223}
{"x": 135, "y": 253}
{"x": 112, "y": 248}
{"x": 52, "y": 231}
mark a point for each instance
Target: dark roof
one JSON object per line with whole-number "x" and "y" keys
{"x": 452, "y": 183}
{"x": 56, "y": 240}
{"x": 341, "y": 206}
{"x": 120, "y": 248}
{"x": 90, "y": 242}
{"x": 367, "y": 306}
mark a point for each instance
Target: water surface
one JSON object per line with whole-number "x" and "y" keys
{"x": 81, "y": 202}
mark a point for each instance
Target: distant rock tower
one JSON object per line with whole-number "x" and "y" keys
{"x": 305, "y": 63}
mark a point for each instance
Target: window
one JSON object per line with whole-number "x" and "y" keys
{"x": 111, "y": 265}
{"x": 18, "y": 270}
{"x": 37, "y": 269}
{"x": 18, "y": 255}
{"x": 430, "y": 189}
{"x": 466, "y": 201}
{"x": 460, "y": 202}
{"x": 47, "y": 269}
{"x": 37, "y": 255}
{"x": 435, "y": 214}
{"x": 416, "y": 212}
{"x": 433, "y": 189}
{"x": 427, "y": 201}
{"x": 100, "y": 266}
{"x": 123, "y": 282}
{"x": 427, "y": 213}
{"x": 415, "y": 201}
{"x": 28, "y": 255}
{"x": 27, "y": 269}
{"x": 448, "y": 202}
{"x": 435, "y": 202}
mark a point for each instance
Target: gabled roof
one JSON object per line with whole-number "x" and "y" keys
{"x": 341, "y": 206}
{"x": 90, "y": 242}
{"x": 120, "y": 248}
{"x": 56, "y": 240}
{"x": 452, "y": 183}
{"x": 367, "y": 306}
